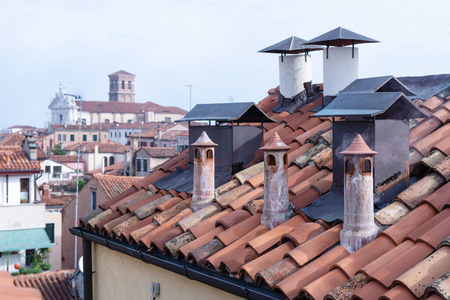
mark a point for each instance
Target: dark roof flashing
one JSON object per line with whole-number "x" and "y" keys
{"x": 392, "y": 105}
{"x": 291, "y": 45}
{"x": 227, "y": 112}
{"x": 378, "y": 84}
{"x": 340, "y": 37}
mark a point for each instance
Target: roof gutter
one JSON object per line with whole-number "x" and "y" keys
{"x": 211, "y": 278}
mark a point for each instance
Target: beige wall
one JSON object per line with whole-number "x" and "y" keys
{"x": 119, "y": 276}
{"x": 68, "y": 220}
{"x": 54, "y": 216}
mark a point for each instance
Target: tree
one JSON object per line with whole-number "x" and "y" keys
{"x": 57, "y": 150}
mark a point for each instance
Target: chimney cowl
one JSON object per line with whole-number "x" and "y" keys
{"x": 358, "y": 146}
{"x": 277, "y": 208}
{"x": 204, "y": 141}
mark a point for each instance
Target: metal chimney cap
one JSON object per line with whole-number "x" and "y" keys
{"x": 340, "y": 37}
{"x": 291, "y": 45}
{"x": 359, "y": 147}
{"x": 275, "y": 143}
{"x": 204, "y": 141}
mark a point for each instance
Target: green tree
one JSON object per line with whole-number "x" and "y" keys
{"x": 57, "y": 150}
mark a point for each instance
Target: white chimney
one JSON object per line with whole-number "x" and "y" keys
{"x": 340, "y": 69}
{"x": 204, "y": 182}
{"x": 359, "y": 225}
{"x": 277, "y": 208}
{"x": 294, "y": 71}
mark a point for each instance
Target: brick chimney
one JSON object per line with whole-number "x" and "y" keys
{"x": 359, "y": 225}
{"x": 46, "y": 190}
{"x": 204, "y": 183}
{"x": 277, "y": 208}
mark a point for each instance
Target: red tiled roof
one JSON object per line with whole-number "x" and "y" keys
{"x": 121, "y": 72}
{"x": 299, "y": 258}
{"x": 50, "y": 201}
{"x": 13, "y": 159}
{"x": 11, "y": 292}
{"x": 114, "y": 185}
{"x": 160, "y": 151}
{"x": 152, "y": 132}
{"x": 128, "y": 107}
{"x": 114, "y": 169}
{"x": 107, "y": 147}
{"x": 65, "y": 158}
{"x": 52, "y": 285}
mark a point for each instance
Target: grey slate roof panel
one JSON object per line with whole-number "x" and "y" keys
{"x": 378, "y": 84}
{"x": 340, "y": 37}
{"x": 227, "y": 112}
{"x": 291, "y": 45}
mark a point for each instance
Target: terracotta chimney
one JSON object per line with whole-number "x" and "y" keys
{"x": 204, "y": 183}
{"x": 46, "y": 190}
{"x": 277, "y": 208}
{"x": 359, "y": 225}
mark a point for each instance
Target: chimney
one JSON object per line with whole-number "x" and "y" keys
{"x": 30, "y": 147}
{"x": 340, "y": 63}
{"x": 295, "y": 68}
{"x": 204, "y": 183}
{"x": 359, "y": 225}
{"x": 277, "y": 208}
{"x": 46, "y": 190}
{"x": 7, "y": 158}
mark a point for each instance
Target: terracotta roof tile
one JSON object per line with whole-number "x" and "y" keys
{"x": 13, "y": 159}
{"x": 239, "y": 229}
{"x": 114, "y": 185}
{"x": 372, "y": 290}
{"x": 65, "y": 158}
{"x": 398, "y": 292}
{"x": 302, "y": 233}
{"x": 440, "y": 288}
{"x": 425, "y": 144}
{"x": 432, "y": 104}
{"x": 325, "y": 126}
{"x": 52, "y": 285}
{"x": 321, "y": 286}
{"x": 347, "y": 289}
{"x": 208, "y": 224}
{"x": 430, "y": 231}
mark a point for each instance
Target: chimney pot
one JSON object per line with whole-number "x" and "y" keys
{"x": 277, "y": 208}
{"x": 359, "y": 226}
{"x": 204, "y": 182}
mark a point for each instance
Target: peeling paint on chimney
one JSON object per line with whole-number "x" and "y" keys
{"x": 359, "y": 225}
{"x": 277, "y": 208}
{"x": 203, "y": 172}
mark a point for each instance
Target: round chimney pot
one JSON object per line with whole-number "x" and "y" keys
{"x": 275, "y": 143}
{"x": 204, "y": 141}
{"x": 358, "y": 146}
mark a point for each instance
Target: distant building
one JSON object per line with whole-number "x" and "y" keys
{"x": 148, "y": 158}
{"x": 119, "y": 133}
{"x": 121, "y": 107}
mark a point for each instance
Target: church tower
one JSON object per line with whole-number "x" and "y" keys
{"x": 121, "y": 86}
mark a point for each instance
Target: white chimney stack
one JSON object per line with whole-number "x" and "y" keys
{"x": 294, "y": 71}
{"x": 204, "y": 182}
{"x": 277, "y": 208}
{"x": 340, "y": 69}
{"x": 359, "y": 225}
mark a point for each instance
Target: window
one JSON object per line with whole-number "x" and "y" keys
{"x": 59, "y": 138}
{"x": 111, "y": 160}
{"x": 126, "y": 134}
{"x": 197, "y": 154}
{"x": 64, "y": 137}
{"x": 106, "y": 120}
{"x": 271, "y": 160}
{"x": 83, "y": 121}
{"x": 60, "y": 119}
{"x": 129, "y": 85}
{"x": 285, "y": 160}
{"x": 145, "y": 165}
{"x": 123, "y": 84}
{"x": 138, "y": 164}
{"x": 93, "y": 200}
{"x": 348, "y": 166}
{"x": 367, "y": 166}
{"x": 105, "y": 161}
{"x": 57, "y": 169}
{"x": 47, "y": 169}
{"x": 165, "y": 145}
{"x": 84, "y": 138}
{"x": 50, "y": 230}
{"x": 119, "y": 134}
{"x": 115, "y": 134}
{"x": 94, "y": 138}
{"x": 130, "y": 121}
{"x": 209, "y": 153}
{"x": 72, "y": 137}
{"x": 110, "y": 134}
{"x": 24, "y": 190}
{"x": 143, "y": 144}
{"x": 168, "y": 119}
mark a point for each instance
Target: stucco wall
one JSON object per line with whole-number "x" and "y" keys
{"x": 54, "y": 216}
{"x": 119, "y": 276}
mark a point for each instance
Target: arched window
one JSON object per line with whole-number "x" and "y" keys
{"x": 105, "y": 161}
{"x": 271, "y": 160}
{"x": 106, "y": 120}
{"x": 209, "y": 154}
{"x": 349, "y": 168}
{"x": 285, "y": 160}
{"x": 123, "y": 84}
{"x": 197, "y": 154}
{"x": 367, "y": 166}
{"x": 111, "y": 160}
{"x": 129, "y": 85}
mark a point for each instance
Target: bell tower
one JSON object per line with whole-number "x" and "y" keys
{"x": 121, "y": 86}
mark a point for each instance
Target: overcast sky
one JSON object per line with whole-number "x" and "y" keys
{"x": 211, "y": 45}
